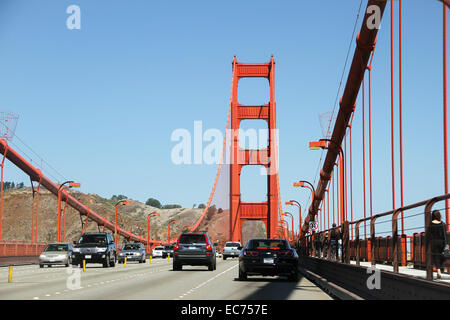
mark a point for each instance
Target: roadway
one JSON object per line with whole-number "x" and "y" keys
{"x": 155, "y": 281}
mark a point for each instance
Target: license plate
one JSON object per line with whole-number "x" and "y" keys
{"x": 87, "y": 256}
{"x": 268, "y": 260}
{"x": 52, "y": 260}
{"x": 192, "y": 248}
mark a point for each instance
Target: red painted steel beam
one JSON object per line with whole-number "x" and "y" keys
{"x": 34, "y": 174}
{"x": 365, "y": 43}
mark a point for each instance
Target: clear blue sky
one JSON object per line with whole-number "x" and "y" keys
{"x": 99, "y": 104}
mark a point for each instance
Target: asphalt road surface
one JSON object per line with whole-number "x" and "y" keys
{"x": 155, "y": 281}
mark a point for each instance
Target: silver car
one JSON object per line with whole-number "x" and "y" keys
{"x": 231, "y": 249}
{"x": 56, "y": 254}
{"x": 133, "y": 252}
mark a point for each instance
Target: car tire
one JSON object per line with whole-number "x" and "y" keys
{"x": 211, "y": 267}
{"x": 49, "y": 265}
{"x": 224, "y": 257}
{"x": 293, "y": 276}
{"x": 41, "y": 266}
{"x": 177, "y": 267}
{"x": 242, "y": 275}
{"x": 113, "y": 262}
{"x": 107, "y": 262}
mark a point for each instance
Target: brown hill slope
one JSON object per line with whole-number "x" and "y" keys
{"x": 17, "y": 218}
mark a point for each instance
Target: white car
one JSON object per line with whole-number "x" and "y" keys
{"x": 158, "y": 252}
{"x": 231, "y": 249}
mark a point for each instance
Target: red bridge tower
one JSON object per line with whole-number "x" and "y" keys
{"x": 242, "y": 211}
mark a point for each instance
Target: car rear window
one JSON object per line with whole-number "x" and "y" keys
{"x": 192, "y": 238}
{"x": 268, "y": 244}
{"x": 131, "y": 247}
{"x": 159, "y": 248}
{"x": 232, "y": 244}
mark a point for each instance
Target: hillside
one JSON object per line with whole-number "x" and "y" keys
{"x": 17, "y": 218}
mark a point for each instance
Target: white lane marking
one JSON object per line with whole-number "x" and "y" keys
{"x": 36, "y": 298}
{"x": 207, "y": 281}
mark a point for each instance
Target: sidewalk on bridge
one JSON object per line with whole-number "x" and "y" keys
{"x": 408, "y": 270}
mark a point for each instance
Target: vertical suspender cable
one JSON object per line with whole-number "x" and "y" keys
{"x": 338, "y": 198}
{"x": 345, "y": 177}
{"x": 332, "y": 192}
{"x": 351, "y": 171}
{"x": 364, "y": 156}
{"x": 445, "y": 109}
{"x": 400, "y": 105}
{"x": 392, "y": 104}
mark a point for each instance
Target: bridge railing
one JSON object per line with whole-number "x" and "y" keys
{"x": 395, "y": 249}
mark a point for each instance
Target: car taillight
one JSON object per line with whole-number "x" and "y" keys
{"x": 286, "y": 253}
{"x": 208, "y": 245}
{"x": 250, "y": 253}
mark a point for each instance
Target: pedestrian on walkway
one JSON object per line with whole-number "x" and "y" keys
{"x": 438, "y": 241}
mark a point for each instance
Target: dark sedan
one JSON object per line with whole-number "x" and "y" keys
{"x": 268, "y": 257}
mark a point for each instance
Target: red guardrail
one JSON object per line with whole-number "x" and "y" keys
{"x": 21, "y": 249}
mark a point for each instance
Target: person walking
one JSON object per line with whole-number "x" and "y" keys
{"x": 334, "y": 242}
{"x": 438, "y": 241}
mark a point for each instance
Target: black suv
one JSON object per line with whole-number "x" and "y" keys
{"x": 95, "y": 248}
{"x": 168, "y": 251}
{"x": 194, "y": 249}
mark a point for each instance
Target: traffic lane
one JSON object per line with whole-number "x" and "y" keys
{"x": 50, "y": 282}
{"x": 163, "y": 285}
{"x": 24, "y": 273}
{"x": 257, "y": 288}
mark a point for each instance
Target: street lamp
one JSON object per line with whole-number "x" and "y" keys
{"x": 120, "y": 203}
{"x": 292, "y": 222}
{"x": 301, "y": 183}
{"x": 168, "y": 230}
{"x": 322, "y": 144}
{"x": 297, "y": 204}
{"x": 153, "y": 214}
{"x": 72, "y": 184}
{"x": 285, "y": 226}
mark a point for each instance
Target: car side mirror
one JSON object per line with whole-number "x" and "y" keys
{"x": 74, "y": 243}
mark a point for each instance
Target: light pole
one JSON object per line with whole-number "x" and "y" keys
{"x": 153, "y": 214}
{"x": 292, "y": 222}
{"x": 301, "y": 183}
{"x": 121, "y": 203}
{"x": 285, "y": 226}
{"x": 61, "y": 187}
{"x": 322, "y": 144}
{"x": 168, "y": 230}
{"x": 297, "y": 204}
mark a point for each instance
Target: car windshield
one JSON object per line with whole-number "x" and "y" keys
{"x": 232, "y": 244}
{"x": 93, "y": 238}
{"x": 168, "y": 247}
{"x": 159, "y": 248}
{"x": 192, "y": 238}
{"x": 268, "y": 244}
{"x": 131, "y": 247}
{"x": 57, "y": 247}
